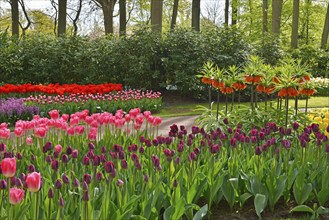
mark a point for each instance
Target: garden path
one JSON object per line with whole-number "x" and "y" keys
{"x": 187, "y": 121}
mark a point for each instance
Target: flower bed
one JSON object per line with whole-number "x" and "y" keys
{"x": 60, "y": 89}
{"x": 14, "y": 109}
{"x": 103, "y": 166}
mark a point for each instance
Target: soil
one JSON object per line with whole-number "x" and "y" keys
{"x": 222, "y": 211}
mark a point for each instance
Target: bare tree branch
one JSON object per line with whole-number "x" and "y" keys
{"x": 21, "y": 2}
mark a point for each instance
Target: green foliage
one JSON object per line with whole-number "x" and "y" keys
{"x": 143, "y": 60}
{"x": 317, "y": 59}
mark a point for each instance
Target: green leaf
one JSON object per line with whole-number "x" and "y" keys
{"x": 179, "y": 209}
{"x": 302, "y": 208}
{"x": 323, "y": 196}
{"x": 260, "y": 203}
{"x": 168, "y": 212}
{"x": 322, "y": 210}
{"x": 228, "y": 192}
{"x": 244, "y": 197}
{"x": 201, "y": 213}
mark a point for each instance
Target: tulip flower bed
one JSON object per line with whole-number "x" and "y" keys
{"x": 104, "y": 166}
{"x": 14, "y": 109}
{"x": 10, "y": 89}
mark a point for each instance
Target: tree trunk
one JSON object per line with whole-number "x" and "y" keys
{"x": 265, "y": 16}
{"x": 276, "y": 16}
{"x": 234, "y": 11}
{"x": 14, "y": 18}
{"x": 123, "y": 17}
{"x": 227, "y": 5}
{"x": 196, "y": 15}
{"x": 156, "y": 15}
{"x": 294, "y": 30}
{"x": 325, "y": 32}
{"x": 108, "y": 17}
{"x": 308, "y": 5}
{"x": 61, "y": 17}
{"x": 174, "y": 15}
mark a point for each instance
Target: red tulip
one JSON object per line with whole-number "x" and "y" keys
{"x": 33, "y": 181}
{"x": 8, "y": 166}
{"x": 16, "y": 196}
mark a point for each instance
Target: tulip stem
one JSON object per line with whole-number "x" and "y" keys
{"x": 287, "y": 107}
{"x": 306, "y": 104}
{"x": 49, "y": 208}
{"x": 209, "y": 95}
{"x": 217, "y": 105}
{"x": 8, "y": 203}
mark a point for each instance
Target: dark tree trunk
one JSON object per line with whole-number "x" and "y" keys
{"x": 123, "y": 17}
{"x": 156, "y": 15}
{"x": 61, "y": 17}
{"x": 276, "y": 16}
{"x": 325, "y": 32}
{"x": 227, "y": 5}
{"x": 174, "y": 15}
{"x": 234, "y": 11}
{"x": 265, "y": 16}
{"x": 196, "y": 15}
{"x": 295, "y": 19}
{"x": 14, "y": 18}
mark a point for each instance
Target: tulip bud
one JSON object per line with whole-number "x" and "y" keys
{"x": 76, "y": 183}
{"x": 48, "y": 159}
{"x": 19, "y": 156}
{"x": 85, "y": 196}
{"x": 87, "y": 178}
{"x": 225, "y": 121}
{"x": 75, "y": 154}
{"x": 65, "y": 179}
{"x": 124, "y": 164}
{"x": 69, "y": 150}
{"x": 61, "y": 202}
{"x": 32, "y": 157}
{"x": 146, "y": 178}
{"x": 258, "y": 151}
{"x": 85, "y": 161}
{"x": 85, "y": 185}
{"x": 54, "y": 165}
{"x": 99, "y": 176}
{"x": 175, "y": 184}
{"x": 58, "y": 184}
{"x": 3, "y": 184}
{"x": 31, "y": 168}
{"x": 65, "y": 158}
{"x": 51, "y": 193}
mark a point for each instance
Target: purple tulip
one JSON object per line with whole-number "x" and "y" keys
{"x": 258, "y": 151}
{"x": 51, "y": 193}
{"x": 87, "y": 178}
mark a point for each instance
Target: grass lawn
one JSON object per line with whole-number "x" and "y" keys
{"x": 186, "y": 108}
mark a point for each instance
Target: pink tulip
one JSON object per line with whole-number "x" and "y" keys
{"x": 157, "y": 121}
{"x": 40, "y": 132}
{"x": 29, "y": 141}
{"x": 147, "y": 114}
{"x": 8, "y": 166}
{"x": 16, "y": 196}
{"x": 18, "y": 131}
{"x": 4, "y": 133}
{"x": 92, "y": 134}
{"x": 70, "y": 131}
{"x": 33, "y": 182}
{"x": 79, "y": 129}
{"x": 58, "y": 149}
{"x": 54, "y": 114}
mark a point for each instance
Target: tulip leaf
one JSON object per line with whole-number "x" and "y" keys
{"x": 302, "y": 208}
{"x": 228, "y": 192}
{"x": 322, "y": 210}
{"x": 201, "y": 213}
{"x": 323, "y": 196}
{"x": 260, "y": 204}
{"x": 244, "y": 197}
{"x": 179, "y": 209}
{"x": 168, "y": 212}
